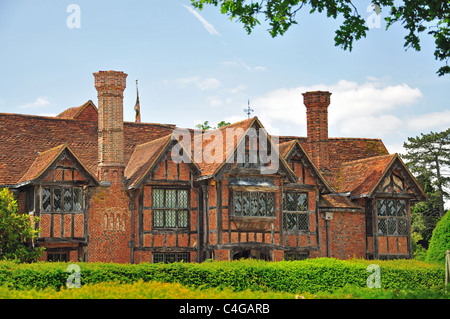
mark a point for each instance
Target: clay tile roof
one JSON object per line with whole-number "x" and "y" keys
{"x": 74, "y": 112}
{"x": 217, "y": 140}
{"x": 24, "y": 137}
{"x": 41, "y": 163}
{"x": 143, "y": 159}
{"x": 361, "y": 176}
{"x": 336, "y": 202}
{"x": 284, "y": 148}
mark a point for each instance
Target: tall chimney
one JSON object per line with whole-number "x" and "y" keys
{"x": 317, "y": 103}
{"x": 110, "y": 86}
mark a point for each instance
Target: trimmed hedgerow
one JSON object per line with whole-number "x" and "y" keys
{"x": 313, "y": 275}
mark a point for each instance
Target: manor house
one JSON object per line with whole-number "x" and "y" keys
{"x": 113, "y": 191}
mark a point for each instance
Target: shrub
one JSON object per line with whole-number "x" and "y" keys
{"x": 313, "y": 275}
{"x": 440, "y": 241}
{"x": 16, "y": 231}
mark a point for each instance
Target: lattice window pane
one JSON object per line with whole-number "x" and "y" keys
{"x": 245, "y": 204}
{"x": 291, "y": 201}
{"x": 158, "y": 198}
{"x": 158, "y": 258}
{"x": 254, "y": 204}
{"x": 302, "y": 221}
{"x": 182, "y": 219}
{"x": 401, "y": 208}
{"x": 171, "y": 258}
{"x": 381, "y": 207}
{"x": 182, "y": 199}
{"x": 183, "y": 257}
{"x": 390, "y": 207}
{"x": 68, "y": 199}
{"x": 77, "y": 200}
{"x": 392, "y": 226}
{"x": 158, "y": 218}
{"x": 290, "y": 221}
{"x": 46, "y": 200}
{"x": 237, "y": 203}
{"x": 382, "y": 227}
{"x": 262, "y": 204}
{"x": 57, "y": 195}
{"x": 171, "y": 218}
{"x": 302, "y": 202}
{"x": 402, "y": 227}
{"x": 270, "y": 206}
{"x": 171, "y": 198}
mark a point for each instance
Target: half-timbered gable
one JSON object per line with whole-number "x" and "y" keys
{"x": 55, "y": 187}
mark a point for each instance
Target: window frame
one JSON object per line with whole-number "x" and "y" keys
{"x": 251, "y": 195}
{"x": 166, "y": 210}
{"x": 163, "y": 257}
{"x": 296, "y": 214}
{"x": 392, "y": 220}
{"x": 52, "y": 203}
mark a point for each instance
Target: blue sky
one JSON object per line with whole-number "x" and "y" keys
{"x": 196, "y": 66}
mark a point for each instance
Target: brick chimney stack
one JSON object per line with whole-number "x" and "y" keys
{"x": 317, "y": 103}
{"x": 110, "y": 86}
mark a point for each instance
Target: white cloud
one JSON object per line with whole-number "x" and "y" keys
{"x": 202, "y": 84}
{"x": 239, "y": 62}
{"x": 436, "y": 120}
{"x": 209, "y": 84}
{"x": 39, "y": 102}
{"x": 356, "y": 110}
{"x": 208, "y": 26}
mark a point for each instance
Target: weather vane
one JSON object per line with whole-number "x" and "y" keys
{"x": 248, "y": 110}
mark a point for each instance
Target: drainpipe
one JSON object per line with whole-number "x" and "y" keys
{"x": 327, "y": 217}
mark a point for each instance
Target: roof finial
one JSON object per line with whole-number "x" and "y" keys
{"x": 248, "y": 110}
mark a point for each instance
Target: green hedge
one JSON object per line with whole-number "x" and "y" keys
{"x": 440, "y": 241}
{"x": 313, "y": 275}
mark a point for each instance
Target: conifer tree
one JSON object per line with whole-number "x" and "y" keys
{"x": 428, "y": 156}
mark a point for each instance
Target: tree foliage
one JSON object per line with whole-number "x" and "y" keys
{"x": 416, "y": 16}
{"x": 205, "y": 126}
{"x": 428, "y": 156}
{"x": 16, "y": 231}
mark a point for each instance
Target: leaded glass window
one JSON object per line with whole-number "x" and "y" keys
{"x": 67, "y": 200}
{"x": 170, "y": 208}
{"x": 253, "y": 203}
{"x": 170, "y": 257}
{"x": 295, "y": 211}
{"x": 392, "y": 217}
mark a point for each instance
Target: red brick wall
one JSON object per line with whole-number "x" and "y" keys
{"x": 109, "y": 222}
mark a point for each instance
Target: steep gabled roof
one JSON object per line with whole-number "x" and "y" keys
{"x": 77, "y": 112}
{"x": 219, "y": 140}
{"x": 24, "y": 137}
{"x": 286, "y": 149}
{"x": 362, "y": 177}
{"x": 45, "y": 159}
